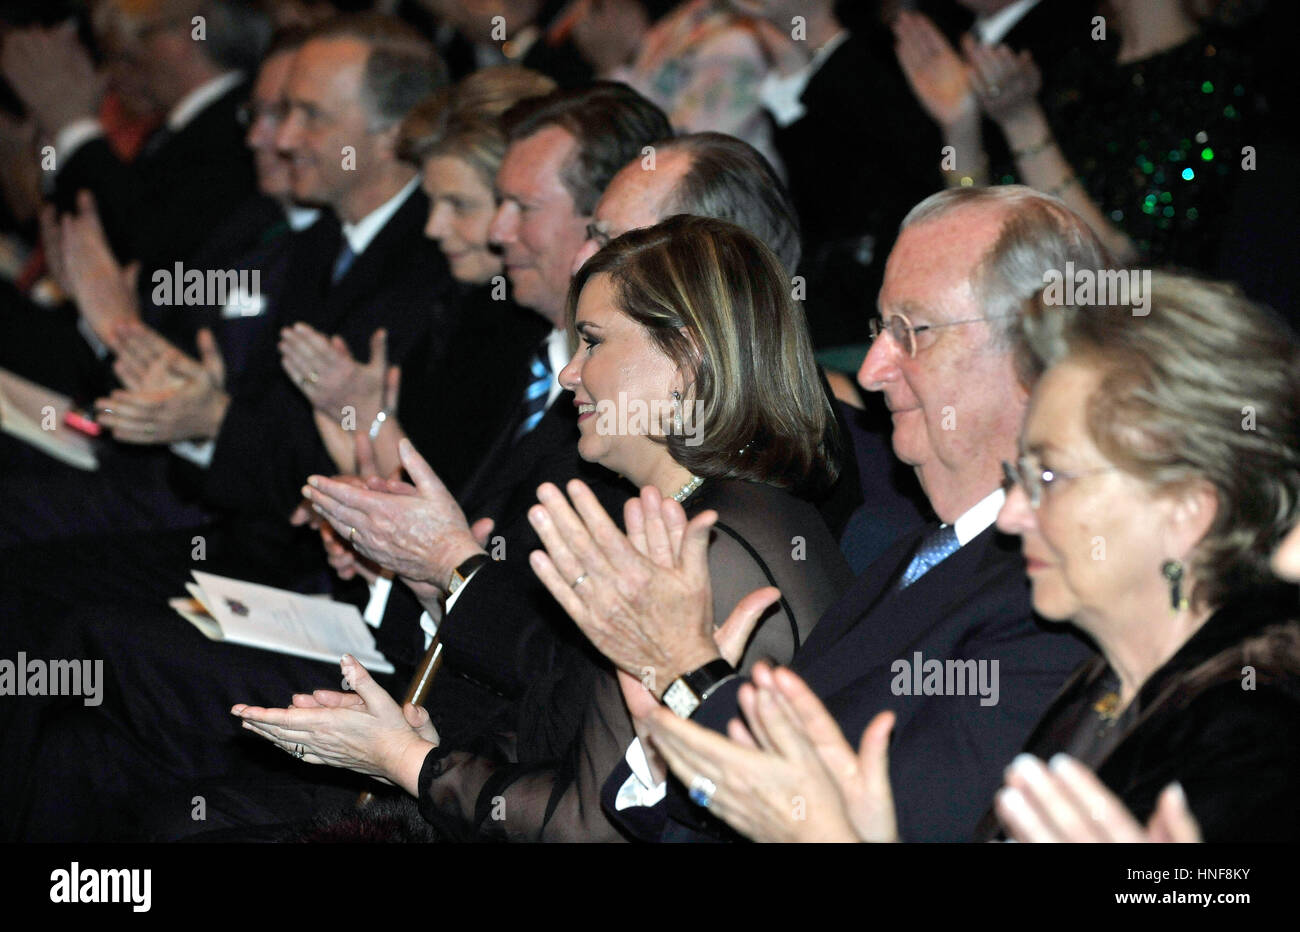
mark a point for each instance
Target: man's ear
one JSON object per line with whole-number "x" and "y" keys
{"x": 386, "y": 141}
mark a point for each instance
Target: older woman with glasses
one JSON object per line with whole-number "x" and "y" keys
{"x": 1160, "y": 470}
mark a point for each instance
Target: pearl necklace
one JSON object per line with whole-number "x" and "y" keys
{"x": 685, "y": 491}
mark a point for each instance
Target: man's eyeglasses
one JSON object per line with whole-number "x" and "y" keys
{"x": 902, "y": 332}
{"x": 1030, "y": 474}
{"x": 250, "y": 112}
{"x": 598, "y": 235}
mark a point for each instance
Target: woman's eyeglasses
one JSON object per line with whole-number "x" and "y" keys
{"x": 1030, "y": 474}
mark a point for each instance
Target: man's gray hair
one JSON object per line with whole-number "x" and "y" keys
{"x": 401, "y": 70}
{"x": 728, "y": 179}
{"x": 238, "y": 33}
{"x": 1040, "y": 234}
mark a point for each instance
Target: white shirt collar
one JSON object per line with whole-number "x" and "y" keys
{"x": 557, "y": 351}
{"x": 360, "y": 234}
{"x": 193, "y": 103}
{"x": 781, "y": 94}
{"x": 979, "y": 517}
{"x": 992, "y": 29}
{"x": 300, "y": 218}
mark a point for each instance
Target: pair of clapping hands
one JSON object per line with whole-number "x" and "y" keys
{"x": 953, "y": 88}
{"x": 166, "y": 396}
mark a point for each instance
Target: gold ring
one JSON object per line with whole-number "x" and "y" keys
{"x": 352, "y": 534}
{"x": 312, "y": 377}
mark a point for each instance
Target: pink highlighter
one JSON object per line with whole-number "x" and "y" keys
{"x": 83, "y": 422}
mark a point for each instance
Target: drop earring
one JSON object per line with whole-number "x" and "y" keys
{"x": 1172, "y": 570}
{"x": 677, "y": 411}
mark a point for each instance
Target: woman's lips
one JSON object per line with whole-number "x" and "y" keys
{"x": 1033, "y": 564}
{"x": 585, "y": 410}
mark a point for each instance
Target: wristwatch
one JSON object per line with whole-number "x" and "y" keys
{"x": 463, "y": 572}
{"x": 686, "y": 693}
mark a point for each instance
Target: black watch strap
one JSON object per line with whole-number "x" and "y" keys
{"x": 686, "y": 693}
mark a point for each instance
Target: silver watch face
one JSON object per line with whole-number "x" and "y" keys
{"x": 681, "y": 699}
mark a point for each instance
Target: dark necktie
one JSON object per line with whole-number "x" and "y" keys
{"x": 539, "y": 389}
{"x": 935, "y": 547}
{"x": 343, "y": 262}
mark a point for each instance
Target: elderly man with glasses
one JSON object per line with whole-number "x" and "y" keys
{"x": 939, "y": 629}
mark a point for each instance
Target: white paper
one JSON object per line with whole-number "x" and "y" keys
{"x": 23, "y": 414}
{"x": 287, "y": 622}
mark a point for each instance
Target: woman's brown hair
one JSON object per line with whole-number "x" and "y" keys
{"x": 717, "y": 302}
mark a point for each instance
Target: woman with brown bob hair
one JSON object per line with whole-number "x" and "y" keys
{"x": 718, "y": 305}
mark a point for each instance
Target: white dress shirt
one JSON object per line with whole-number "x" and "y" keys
{"x": 781, "y": 93}
{"x": 639, "y": 789}
{"x": 990, "y": 30}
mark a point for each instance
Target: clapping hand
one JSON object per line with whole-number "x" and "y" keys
{"x": 789, "y": 776}
{"x": 650, "y": 613}
{"x": 52, "y": 74}
{"x": 1006, "y": 83}
{"x": 417, "y": 531}
{"x": 146, "y": 360}
{"x": 185, "y": 399}
{"x": 1065, "y": 801}
{"x": 938, "y": 76}
{"x": 323, "y": 368}
{"x": 365, "y": 731}
{"x": 104, "y": 291}
{"x": 640, "y": 694}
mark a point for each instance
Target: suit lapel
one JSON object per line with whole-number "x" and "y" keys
{"x": 368, "y": 269}
{"x": 896, "y": 619}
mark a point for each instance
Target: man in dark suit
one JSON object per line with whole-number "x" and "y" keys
{"x": 956, "y": 591}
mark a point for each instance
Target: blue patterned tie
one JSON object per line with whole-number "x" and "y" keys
{"x": 936, "y": 547}
{"x": 343, "y": 262}
{"x": 539, "y": 389}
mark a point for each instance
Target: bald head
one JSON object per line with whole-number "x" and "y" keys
{"x": 705, "y": 175}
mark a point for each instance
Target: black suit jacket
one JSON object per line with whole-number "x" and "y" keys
{"x": 161, "y": 207}
{"x": 455, "y": 406}
{"x": 268, "y": 443}
{"x": 948, "y": 751}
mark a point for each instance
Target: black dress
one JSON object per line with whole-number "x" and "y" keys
{"x": 1157, "y": 143}
{"x": 543, "y": 782}
{"x": 1222, "y": 717}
